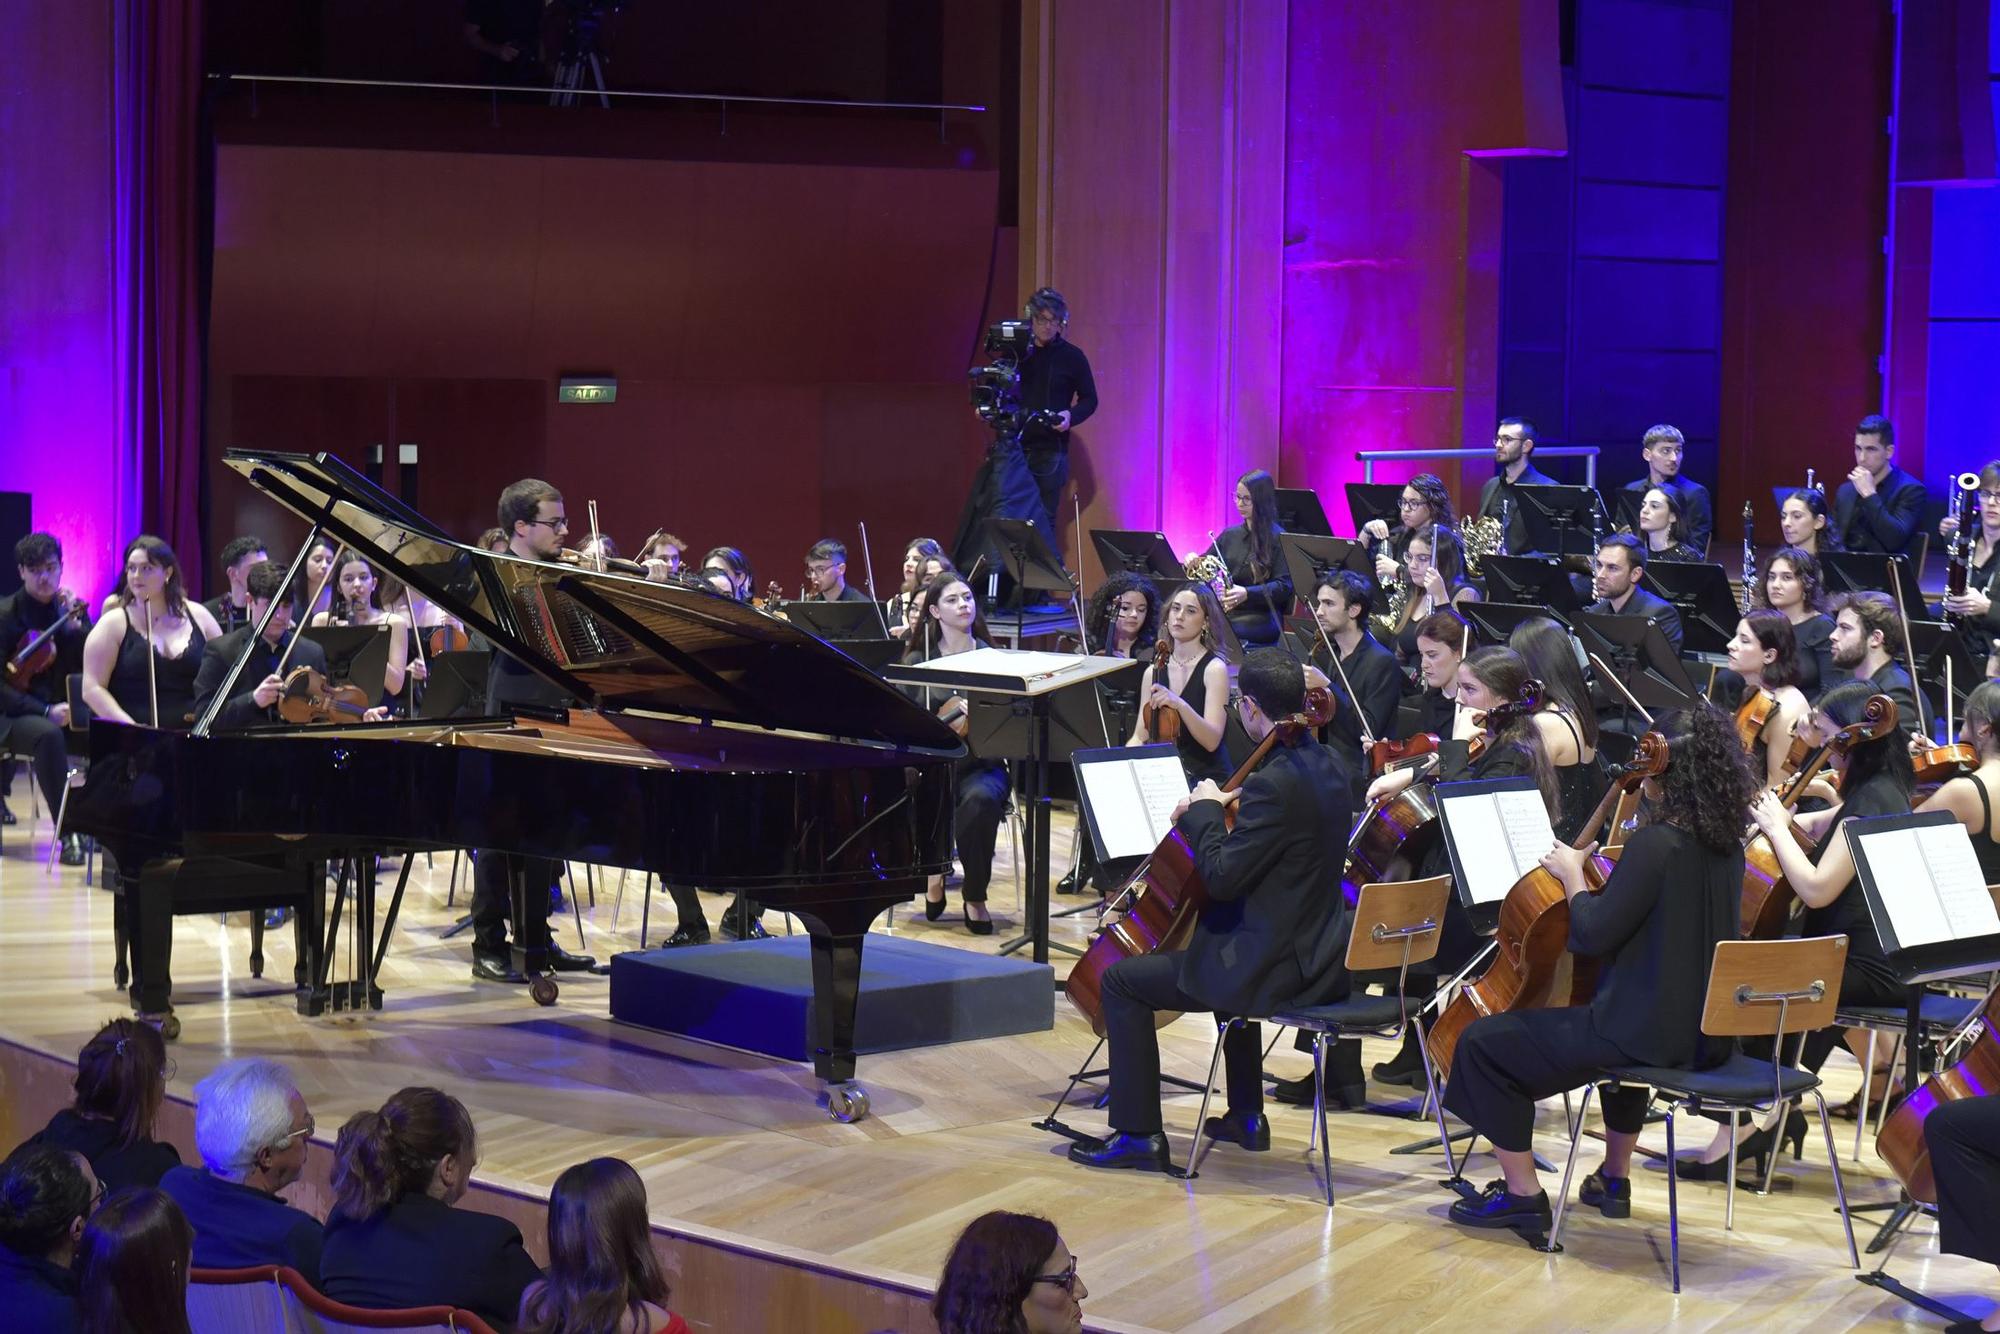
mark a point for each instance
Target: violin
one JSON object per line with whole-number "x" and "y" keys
{"x": 1165, "y": 897}
{"x": 1941, "y": 764}
{"x": 1753, "y": 714}
{"x": 36, "y": 652}
{"x": 956, "y": 714}
{"x": 1901, "y": 1141}
{"x": 1162, "y": 723}
{"x": 1385, "y": 754}
{"x": 310, "y": 698}
{"x": 446, "y": 637}
{"x": 1533, "y": 939}
{"x": 1767, "y": 896}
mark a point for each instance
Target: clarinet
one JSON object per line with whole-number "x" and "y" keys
{"x": 1749, "y": 556}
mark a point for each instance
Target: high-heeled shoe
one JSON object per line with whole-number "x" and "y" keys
{"x": 979, "y": 926}
{"x": 1756, "y": 1147}
{"x": 1851, "y": 1109}
{"x": 933, "y": 908}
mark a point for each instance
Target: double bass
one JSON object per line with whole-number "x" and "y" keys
{"x": 1166, "y": 896}
{"x": 1532, "y": 943}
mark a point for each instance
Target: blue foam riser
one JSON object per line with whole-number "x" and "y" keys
{"x": 757, "y": 994}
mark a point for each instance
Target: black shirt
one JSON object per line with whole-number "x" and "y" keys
{"x": 1259, "y": 620}
{"x": 116, "y": 1164}
{"x": 1056, "y": 378}
{"x": 22, "y": 617}
{"x": 1814, "y": 639}
{"x": 1884, "y": 522}
{"x": 848, "y": 593}
{"x": 1498, "y": 491}
{"x": 1655, "y": 609}
{"x": 241, "y": 1227}
{"x": 1894, "y": 682}
{"x": 227, "y": 614}
{"x": 422, "y": 1252}
{"x": 242, "y": 710}
{"x": 1697, "y": 516}
{"x": 37, "y": 1294}
{"x": 1378, "y": 686}
{"x": 1848, "y": 914}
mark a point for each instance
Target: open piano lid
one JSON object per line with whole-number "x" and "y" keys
{"x": 610, "y": 641}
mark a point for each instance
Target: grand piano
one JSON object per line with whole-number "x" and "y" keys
{"x": 708, "y": 742}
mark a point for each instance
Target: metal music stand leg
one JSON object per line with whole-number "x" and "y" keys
{"x": 1036, "y": 804}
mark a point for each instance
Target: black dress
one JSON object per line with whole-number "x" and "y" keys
{"x": 1867, "y": 979}
{"x": 1964, "y": 1141}
{"x": 133, "y": 685}
{"x": 1984, "y": 846}
{"x": 1655, "y": 925}
{"x": 1817, "y": 674}
{"x": 422, "y": 1252}
{"x": 1199, "y": 761}
{"x": 1579, "y": 787}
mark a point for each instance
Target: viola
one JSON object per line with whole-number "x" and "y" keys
{"x": 309, "y": 698}
{"x": 1901, "y": 1141}
{"x": 1163, "y": 724}
{"x": 1767, "y": 899}
{"x": 447, "y": 637}
{"x": 1166, "y": 896}
{"x": 36, "y": 652}
{"x": 1528, "y": 967}
{"x": 1753, "y": 715}
{"x": 1940, "y": 764}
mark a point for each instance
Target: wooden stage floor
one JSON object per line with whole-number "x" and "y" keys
{"x": 733, "y": 1145}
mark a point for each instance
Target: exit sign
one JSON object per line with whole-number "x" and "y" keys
{"x": 587, "y": 389}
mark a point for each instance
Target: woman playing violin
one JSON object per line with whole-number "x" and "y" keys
{"x": 1791, "y": 584}
{"x": 953, "y": 624}
{"x": 1765, "y": 655}
{"x": 1672, "y": 896}
{"x": 356, "y": 585}
{"x": 735, "y": 568}
{"x": 1875, "y": 780}
{"x": 156, "y": 621}
{"x": 1195, "y": 686}
{"x": 1424, "y": 504}
{"x": 1970, "y": 798}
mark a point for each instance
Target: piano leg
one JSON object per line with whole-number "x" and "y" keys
{"x": 837, "y": 931}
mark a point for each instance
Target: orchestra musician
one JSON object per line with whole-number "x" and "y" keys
{"x": 34, "y": 710}
{"x": 1055, "y": 378}
{"x": 1196, "y": 687}
{"x": 1806, "y": 524}
{"x": 664, "y": 551}
{"x": 1672, "y": 896}
{"x": 917, "y": 558}
{"x": 733, "y": 564}
{"x": 1878, "y": 507}
{"x": 1615, "y": 583}
{"x": 493, "y": 539}
{"x": 259, "y": 686}
{"x": 1791, "y": 584}
{"x": 953, "y": 624}
{"x": 1979, "y": 617}
{"x": 1969, "y": 797}
{"x": 1342, "y": 601}
{"x": 1963, "y": 1136}
{"x": 1122, "y": 621}
{"x": 155, "y": 619}
{"x": 1424, "y": 503}
{"x": 826, "y": 571}
{"x": 237, "y": 557}
{"x": 1565, "y": 721}
{"x": 357, "y": 584}
{"x": 531, "y": 512}
{"x": 1663, "y": 526}
{"x": 1270, "y": 938}
{"x": 1513, "y": 451}
{"x": 316, "y": 586}
{"x": 1868, "y": 645}
{"x": 1259, "y": 592}
{"x": 1434, "y": 565}
{"x": 1664, "y": 447}
{"x": 1442, "y": 640}
{"x": 1876, "y": 779}
{"x": 1765, "y": 654}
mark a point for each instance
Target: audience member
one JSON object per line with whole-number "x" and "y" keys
{"x": 121, "y": 1076}
{"x": 252, "y": 1126}
{"x": 132, "y": 1265}
{"x": 46, "y": 1195}
{"x": 603, "y": 1277}
{"x": 1009, "y": 1272}
{"x": 394, "y": 1238}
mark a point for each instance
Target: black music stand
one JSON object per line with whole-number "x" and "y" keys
{"x": 1027, "y": 558}
{"x": 457, "y": 685}
{"x": 1367, "y": 501}
{"x": 1496, "y": 622}
{"x": 838, "y": 620}
{"x": 1624, "y": 510}
{"x": 1308, "y": 557}
{"x": 356, "y": 655}
{"x": 1935, "y": 643}
{"x": 1531, "y": 580}
{"x": 1871, "y": 572}
{"x": 1299, "y": 511}
{"x": 1700, "y": 593}
{"x": 1562, "y": 520}
{"x": 1489, "y": 854}
{"x": 1140, "y": 553}
{"x": 1634, "y": 651}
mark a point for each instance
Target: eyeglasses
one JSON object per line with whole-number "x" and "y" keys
{"x": 1065, "y": 1280}
{"x": 97, "y": 1196}
{"x": 559, "y": 525}
{"x": 306, "y": 1129}
{"x": 819, "y": 571}
{"x": 1409, "y": 502}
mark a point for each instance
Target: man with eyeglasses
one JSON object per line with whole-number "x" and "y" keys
{"x": 47, "y": 1195}
{"x": 826, "y": 567}
{"x": 532, "y": 515}
{"x": 35, "y": 710}
{"x": 1055, "y": 378}
{"x": 252, "y": 1126}
{"x": 1664, "y": 447}
{"x": 1513, "y": 446}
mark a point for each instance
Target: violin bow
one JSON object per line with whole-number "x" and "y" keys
{"x": 1619, "y": 686}
{"x": 298, "y": 631}
{"x": 1909, "y": 649}
{"x": 1083, "y": 617}
{"x": 868, "y": 569}
{"x": 152, "y": 670}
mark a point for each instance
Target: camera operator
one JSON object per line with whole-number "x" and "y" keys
{"x": 1056, "y": 391}
{"x": 507, "y": 34}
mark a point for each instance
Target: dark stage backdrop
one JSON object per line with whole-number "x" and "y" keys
{"x": 790, "y": 341}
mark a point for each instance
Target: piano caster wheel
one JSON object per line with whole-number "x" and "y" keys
{"x": 544, "y": 990}
{"x": 168, "y": 1024}
{"x": 846, "y": 1103}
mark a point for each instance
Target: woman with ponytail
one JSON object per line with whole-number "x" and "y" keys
{"x": 394, "y": 1239}
{"x": 121, "y": 1077}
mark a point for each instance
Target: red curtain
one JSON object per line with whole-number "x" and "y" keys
{"x": 158, "y": 152}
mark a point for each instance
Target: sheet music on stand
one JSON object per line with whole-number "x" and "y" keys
{"x": 1128, "y": 795}
{"x": 1496, "y": 830}
{"x": 1931, "y": 907}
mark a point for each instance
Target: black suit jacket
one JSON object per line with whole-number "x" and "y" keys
{"x": 1651, "y": 606}
{"x": 1275, "y": 929}
{"x": 422, "y": 1252}
{"x": 241, "y": 710}
{"x": 1696, "y": 511}
{"x": 20, "y": 616}
{"x": 1515, "y": 540}
{"x": 1894, "y": 682}
{"x": 1885, "y": 522}
{"x": 1261, "y": 617}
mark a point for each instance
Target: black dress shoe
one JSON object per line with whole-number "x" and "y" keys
{"x": 494, "y": 967}
{"x": 1496, "y": 1208}
{"x": 6, "y": 815}
{"x": 1610, "y": 1196}
{"x": 757, "y": 931}
{"x": 1147, "y": 1153}
{"x": 979, "y": 926}
{"x": 1406, "y": 1067}
{"x": 1253, "y": 1131}
{"x": 933, "y": 908}
{"x": 72, "y": 850}
{"x": 1073, "y": 884}
{"x": 563, "y": 961}
{"x": 687, "y": 936}
{"x": 1339, "y": 1097}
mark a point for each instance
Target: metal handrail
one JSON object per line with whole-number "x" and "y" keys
{"x": 594, "y": 91}
{"x": 1589, "y": 453}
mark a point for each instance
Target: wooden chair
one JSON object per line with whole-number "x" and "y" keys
{"x": 1395, "y": 924}
{"x": 1756, "y": 988}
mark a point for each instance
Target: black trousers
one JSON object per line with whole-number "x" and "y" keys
{"x": 1050, "y": 469}
{"x": 1134, "y": 991}
{"x": 982, "y": 800}
{"x": 42, "y": 743}
{"x": 1964, "y": 1140}
{"x": 1505, "y": 1063}
{"x": 492, "y": 902}
{"x": 737, "y": 916}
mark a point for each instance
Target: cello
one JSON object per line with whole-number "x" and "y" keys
{"x": 1166, "y": 896}
{"x": 1532, "y": 942}
{"x": 1977, "y": 1073}
{"x": 1767, "y": 895}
